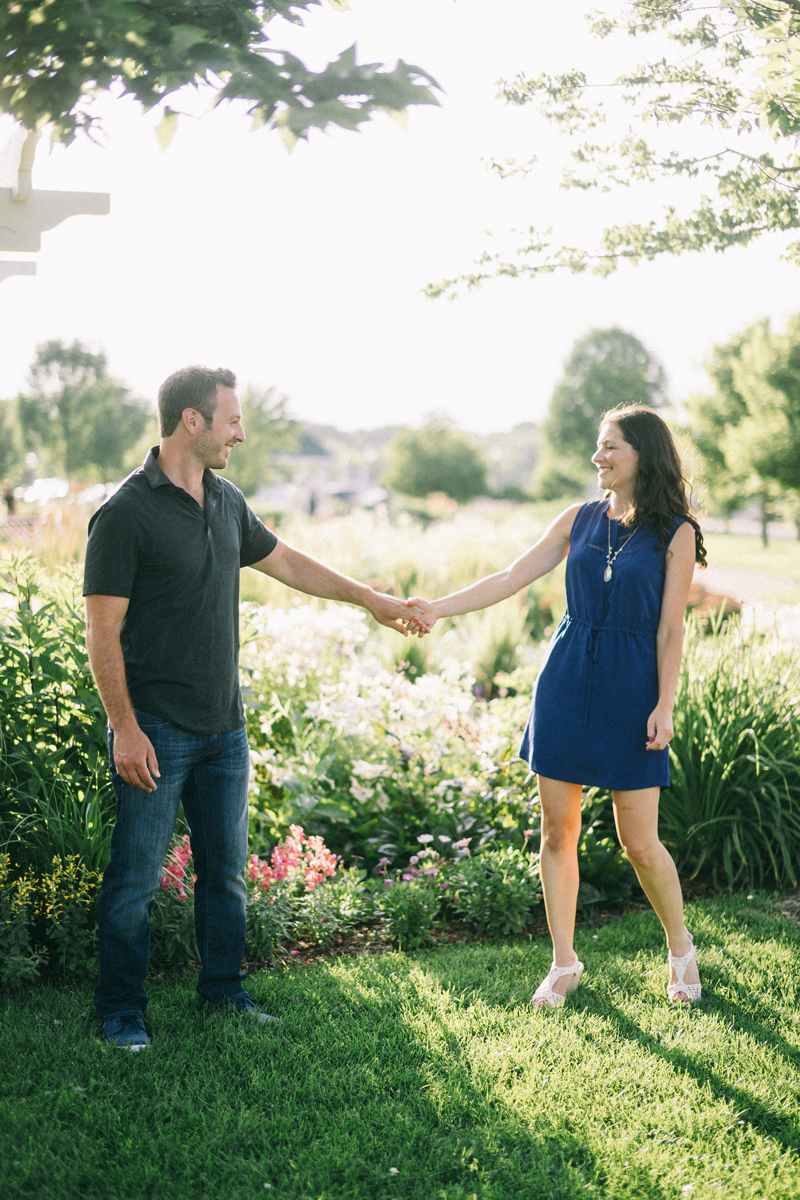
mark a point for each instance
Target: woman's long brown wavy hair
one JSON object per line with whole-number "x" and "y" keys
{"x": 660, "y": 491}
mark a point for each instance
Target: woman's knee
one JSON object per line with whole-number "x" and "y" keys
{"x": 643, "y": 854}
{"x": 560, "y": 836}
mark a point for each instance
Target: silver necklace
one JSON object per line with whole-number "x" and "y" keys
{"x": 610, "y": 558}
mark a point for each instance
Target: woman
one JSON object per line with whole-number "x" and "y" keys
{"x": 602, "y": 712}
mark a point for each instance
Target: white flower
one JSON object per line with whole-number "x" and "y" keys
{"x": 360, "y": 792}
{"x": 365, "y": 770}
{"x": 425, "y": 837}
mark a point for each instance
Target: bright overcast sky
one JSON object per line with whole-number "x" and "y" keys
{"x": 304, "y": 271}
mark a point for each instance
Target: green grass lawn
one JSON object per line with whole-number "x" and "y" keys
{"x": 781, "y": 557}
{"x": 428, "y": 1075}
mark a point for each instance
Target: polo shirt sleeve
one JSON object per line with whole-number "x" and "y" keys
{"x": 257, "y": 540}
{"x": 112, "y": 553}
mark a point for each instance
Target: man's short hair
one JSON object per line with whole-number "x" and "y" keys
{"x": 191, "y": 387}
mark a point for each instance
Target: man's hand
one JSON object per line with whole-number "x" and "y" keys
{"x": 424, "y": 615}
{"x": 305, "y": 574}
{"x": 393, "y": 613}
{"x": 135, "y": 759}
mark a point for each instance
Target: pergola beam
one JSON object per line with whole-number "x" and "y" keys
{"x": 24, "y": 213}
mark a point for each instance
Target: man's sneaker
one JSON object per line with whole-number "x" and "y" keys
{"x": 249, "y": 1008}
{"x": 127, "y": 1031}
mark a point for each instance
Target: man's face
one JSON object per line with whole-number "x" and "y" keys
{"x": 213, "y": 443}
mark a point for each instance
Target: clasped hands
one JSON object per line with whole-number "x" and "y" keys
{"x": 414, "y": 616}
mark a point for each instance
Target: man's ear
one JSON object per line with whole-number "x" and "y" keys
{"x": 191, "y": 419}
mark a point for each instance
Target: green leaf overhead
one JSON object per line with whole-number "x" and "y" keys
{"x": 58, "y": 54}
{"x": 727, "y": 69}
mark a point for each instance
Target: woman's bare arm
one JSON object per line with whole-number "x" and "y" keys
{"x": 669, "y": 638}
{"x": 546, "y": 554}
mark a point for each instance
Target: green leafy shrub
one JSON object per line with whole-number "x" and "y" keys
{"x": 332, "y": 909}
{"x": 497, "y": 891}
{"x": 365, "y": 758}
{"x": 733, "y": 811}
{"x": 19, "y": 962}
{"x": 172, "y": 935}
{"x": 70, "y": 892}
{"x": 55, "y": 793}
{"x": 411, "y": 909}
{"x": 48, "y": 919}
{"x": 270, "y": 920}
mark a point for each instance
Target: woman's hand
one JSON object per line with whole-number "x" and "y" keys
{"x": 422, "y": 617}
{"x": 659, "y": 729}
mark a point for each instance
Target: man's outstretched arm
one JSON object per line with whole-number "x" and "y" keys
{"x": 134, "y": 756}
{"x": 306, "y": 574}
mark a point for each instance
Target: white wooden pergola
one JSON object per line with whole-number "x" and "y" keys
{"x": 26, "y": 214}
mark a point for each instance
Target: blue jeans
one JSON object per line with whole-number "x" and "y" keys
{"x": 209, "y": 774}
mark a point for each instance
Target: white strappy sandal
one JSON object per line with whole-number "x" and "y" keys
{"x": 692, "y": 991}
{"x": 545, "y": 993}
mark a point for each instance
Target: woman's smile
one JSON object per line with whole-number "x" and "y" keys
{"x": 616, "y": 460}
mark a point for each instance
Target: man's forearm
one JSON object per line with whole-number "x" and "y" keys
{"x": 108, "y": 668}
{"x": 306, "y": 574}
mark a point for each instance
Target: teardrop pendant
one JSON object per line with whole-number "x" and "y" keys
{"x": 607, "y": 573}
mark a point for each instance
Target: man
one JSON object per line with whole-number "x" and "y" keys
{"x": 162, "y": 589}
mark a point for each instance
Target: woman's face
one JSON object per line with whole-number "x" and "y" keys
{"x": 616, "y": 460}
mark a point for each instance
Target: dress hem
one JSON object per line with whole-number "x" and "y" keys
{"x": 599, "y": 783}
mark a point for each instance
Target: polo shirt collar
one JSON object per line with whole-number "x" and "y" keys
{"x": 157, "y": 478}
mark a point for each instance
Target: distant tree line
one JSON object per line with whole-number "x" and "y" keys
{"x": 743, "y": 435}
{"x": 74, "y": 415}
{"x": 85, "y": 425}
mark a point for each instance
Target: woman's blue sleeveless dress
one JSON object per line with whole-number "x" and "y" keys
{"x": 599, "y": 681}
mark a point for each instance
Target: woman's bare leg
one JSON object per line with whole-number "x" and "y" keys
{"x": 636, "y": 815}
{"x": 558, "y": 866}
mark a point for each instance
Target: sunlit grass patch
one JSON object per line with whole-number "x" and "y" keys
{"x": 429, "y": 1075}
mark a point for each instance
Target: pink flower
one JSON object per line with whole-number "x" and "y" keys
{"x": 529, "y": 833}
{"x": 296, "y": 858}
{"x": 173, "y": 872}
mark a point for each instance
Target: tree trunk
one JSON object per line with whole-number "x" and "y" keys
{"x": 764, "y": 519}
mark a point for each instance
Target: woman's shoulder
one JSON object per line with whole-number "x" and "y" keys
{"x": 589, "y": 510}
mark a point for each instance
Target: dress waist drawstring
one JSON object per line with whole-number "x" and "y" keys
{"x": 593, "y": 650}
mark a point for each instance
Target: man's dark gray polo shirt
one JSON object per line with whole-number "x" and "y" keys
{"x": 178, "y": 565}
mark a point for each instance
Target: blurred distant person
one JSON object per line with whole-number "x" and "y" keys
{"x": 162, "y": 627}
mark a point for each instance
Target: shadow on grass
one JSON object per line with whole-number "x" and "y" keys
{"x": 406, "y": 1089}
{"x": 404, "y": 1077}
{"x": 757, "y": 1114}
